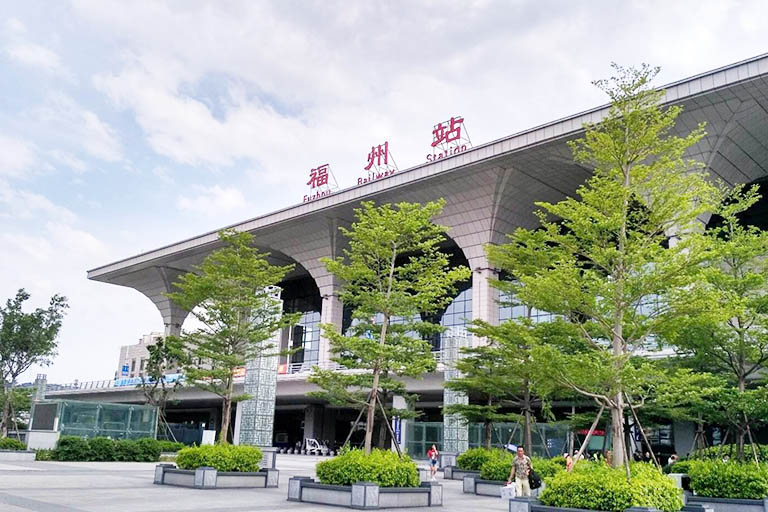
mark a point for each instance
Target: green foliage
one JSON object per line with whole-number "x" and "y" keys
{"x": 474, "y": 458}
{"x": 165, "y": 355}
{"x": 595, "y": 486}
{"x": 717, "y": 479}
{"x": 45, "y": 455}
{"x": 682, "y": 466}
{"x": 601, "y": 256}
{"x": 382, "y": 466}
{"x": 392, "y": 275}
{"x": 100, "y": 449}
{"x": 8, "y": 443}
{"x": 20, "y": 402}
{"x": 723, "y": 317}
{"x": 170, "y": 446}
{"x": 223, "y": 457}
{"x": 26, "y": 339}
{"x": 230, "y": 295}
{"x": 500, "y": 468}
{"x": 72, "y": 448}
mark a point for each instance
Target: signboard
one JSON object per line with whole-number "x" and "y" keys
{"x": 585, "y": 431}
{"x": 321, "y": 183}
{"x": 449, "y": 138}
{"x": 380, "y": 164}
{"x": 125, "y": 369}
{"x": 398, "y": 428}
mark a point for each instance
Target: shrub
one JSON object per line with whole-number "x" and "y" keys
{"x": 170, "y": 446}
{"x": 72, "y": 448}
{"x": 596, "y": 486}
{"x": 45, "y": 455}
{"x": 149, "y": 450}
{"x": 717, "y": 479}
{"x": 102, "y": 449}
{"x": 474, "y": 458}
{"x": 499, "y": 469}
{"x": 223, "y": 457}
{"x": 127, "y": 450}
{"x": 382, "y": 466}
{"x": 682, "y": 466}
{"x": 720, "y": 451}
{"x": 8, "y": 443}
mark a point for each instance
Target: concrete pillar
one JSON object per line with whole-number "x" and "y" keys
{"x": 399, "y": 425}
{"x": 332, "y": 313}
{"x": 455, "y": 429}
{"x": 485, "y": 298}
{"x": 41, "y": 382}
{"x": 238, "y": 421}
{"x": 313, "y": 422}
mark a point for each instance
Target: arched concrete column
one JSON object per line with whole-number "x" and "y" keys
{"x": 326, "y": 242}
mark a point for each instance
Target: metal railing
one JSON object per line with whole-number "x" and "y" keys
{"x": 283, "y": 369}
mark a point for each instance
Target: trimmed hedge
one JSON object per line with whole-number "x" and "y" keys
{"x": 8, "y": 443}
{"x": 499, "y": 469}
{"x": 102, "y": 449}
{"x": 731, "y": 451}
{"x": 382, "y": 466}
{"x": 171, "y": 446}
{"x": 682, "y": 466}
{"x": 223, "y": 457}
{"x": 596, "y": 486}
{"x": 717, "y": 479}
{"x": 474, "y": 458}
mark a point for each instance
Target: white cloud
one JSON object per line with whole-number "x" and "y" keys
{"x": 40, "y": 57}
{"x": 70, "y": 161}
{"x": 213, "y": 200}
{"x": 18, "y": 204}
{"x": 80, "y": 127}
{"x": 16, "y": 156}
{"x": 14, "y": 26}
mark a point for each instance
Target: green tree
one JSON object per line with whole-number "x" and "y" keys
{"x": 26, "y": 339}
{"x": 722, "y": 319}
{"x": 20, "y": 405}
{"x": 165, "y": 356}
{"x": 392, "y": 273}
{"x": 602, "y": 259}
{"x": 500, "y": 374}
{"x": 232, "y": 295}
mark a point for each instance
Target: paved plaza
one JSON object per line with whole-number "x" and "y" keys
{"x": 128, "y": 487}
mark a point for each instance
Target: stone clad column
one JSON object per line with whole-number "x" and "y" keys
{"x": 455, "y": 429}
{"x": 257, "y": 414}
{"x": 332, "y": 313}
{"x": 485, "y": 297}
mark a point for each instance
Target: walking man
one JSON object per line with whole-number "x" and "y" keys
{"x": 520, "y": 470}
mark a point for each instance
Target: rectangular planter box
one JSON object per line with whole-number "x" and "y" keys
{"x": 532, "y": 505}
{"x": 730, "y": 505}
{"x": 209, "y": 478}
{"x": 16, "y": 455}
{"x": 364, "y": 495}
{"x": 454, "y": 473}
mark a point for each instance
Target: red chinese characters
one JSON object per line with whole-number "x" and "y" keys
{"x": 445, "y": 134}
{"x": 318, "y": 177}
{"x": 376, "y": 154}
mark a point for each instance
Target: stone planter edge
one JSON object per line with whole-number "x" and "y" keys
{"x": 17, "y": 455}
{"x": 364, "y": 495}
{"x": 206, "y": 477}
{"x": 533, "y": 505}
{"x": 693, "y": 499}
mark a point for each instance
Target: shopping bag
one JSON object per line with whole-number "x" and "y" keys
{"x": 508, "y": 492}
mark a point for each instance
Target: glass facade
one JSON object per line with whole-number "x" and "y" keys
{"x": 508, "y": 311}
{"x": 102, "y": 419}
{"x": 302, "y": 296}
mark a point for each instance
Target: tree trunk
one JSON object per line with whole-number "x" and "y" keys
{"x": 741, "y": 430}
{"x": 617, "y": 431}
{"x": 527, "y": 435}
{"x": 226, "y": 413}
{"x": 7, "y": 390}
{"x": 370, "y": 418}
{"x": 487, "y": 428}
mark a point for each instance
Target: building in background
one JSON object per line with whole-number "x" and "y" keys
{"x": 133, "y": 358}
{"x": 490, "y": 190}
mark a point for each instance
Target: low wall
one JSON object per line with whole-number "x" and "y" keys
{"x": 16, "y": 455}
{"x": 364, "y": 495}
{"x": 209, "y": 478}
{"x": 729, "y": 505}
{"x": 42, "y": 439}
{"x": 533, "y": 505}
{"x": 455, "y": 473}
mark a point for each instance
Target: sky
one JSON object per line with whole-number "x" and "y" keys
{"x": 125, "y": 126}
